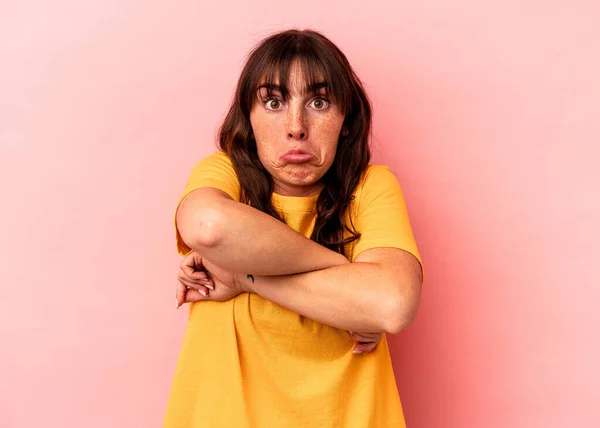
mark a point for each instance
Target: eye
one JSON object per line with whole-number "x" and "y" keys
{"x": 273, "y": 104}
{"x": 320, "y": 103}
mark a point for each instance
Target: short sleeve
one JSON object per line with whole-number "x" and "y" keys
{"x": 381, "y": 216}
{"x": 215, "y": 170}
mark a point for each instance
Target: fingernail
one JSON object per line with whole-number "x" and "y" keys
{"x": 354, "y": 351}
{"x": 176, "y": 304}
{"x": 210, "y": 287}
{"x": 203, "y": 293}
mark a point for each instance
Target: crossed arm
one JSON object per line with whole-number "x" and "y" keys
{"x": 379, "y": 292}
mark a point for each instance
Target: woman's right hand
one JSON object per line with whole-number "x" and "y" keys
{"x": 193, "y": 282}
{"x": 199, "y": 280}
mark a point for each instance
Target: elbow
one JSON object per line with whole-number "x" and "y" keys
{"x": 398, "y": 321}
{"x": 400, "y": 311}
{"x": 202, "y": 227}
{"x": 208, "y": 222}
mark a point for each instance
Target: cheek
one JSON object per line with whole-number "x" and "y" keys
{"x": 331, "y": 123}
{"x": 330, "y": 131}
{"x": 264, "y": 151}
{"x": 264, "y": 130}
{"x": 261, "y": 132}
{"x": 265, "y": 147}
{"x": 330, "y": 153}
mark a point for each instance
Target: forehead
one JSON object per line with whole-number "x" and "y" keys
{"x": 298, "y": 78}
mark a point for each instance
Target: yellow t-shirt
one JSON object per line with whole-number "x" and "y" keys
{"x": 249, "y": 362}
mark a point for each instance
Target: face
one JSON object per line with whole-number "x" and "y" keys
{"x": 297, "y": 138}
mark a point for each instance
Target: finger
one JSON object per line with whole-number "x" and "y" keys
{"x": 201, "y": 278}
{"x": 191, "y": 263}
{"x": 180, "y": 294}
{"x": 206, "y": 283}
{"x": 192, "y": 295}
{"x": 364, "y": 347}
{"x": 372, "y": 336}
{"x": 367, "y": 337}
{"x": 200, "y": 289}
{"x": 187, "y": 261}
{"x": 359, "y": 337}
{"x": 182, "y": 290}
{"x": 209, "y": 283}
{"x": 198, "y": 275}
{"x": 195, "y": 285}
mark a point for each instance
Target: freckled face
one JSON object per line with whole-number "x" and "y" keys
{"x": 296, "y": 138}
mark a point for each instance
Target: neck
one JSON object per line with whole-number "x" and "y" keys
{"x": 287, "y": 190}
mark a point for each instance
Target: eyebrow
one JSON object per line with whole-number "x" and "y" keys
{"x": 312, "y": 89}
{"x": 270, "y": 87}
{"x": 316, "y": 87}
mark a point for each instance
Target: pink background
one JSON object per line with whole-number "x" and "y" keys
{"x": 487, "y": 112}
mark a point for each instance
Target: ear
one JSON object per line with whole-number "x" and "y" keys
{"x": 345, "y": 131}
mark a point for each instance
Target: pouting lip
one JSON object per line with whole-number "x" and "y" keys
{"x": 296, "y": 152}
{"x": 297, "y": 156}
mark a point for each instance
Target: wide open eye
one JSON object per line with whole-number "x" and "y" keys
{"x": 319, "y": 103}
{"x": 273, "y": 104}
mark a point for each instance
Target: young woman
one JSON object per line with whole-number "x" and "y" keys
{"x": 299, "y": 255}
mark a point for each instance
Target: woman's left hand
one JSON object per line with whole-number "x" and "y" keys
{"x": 365, "y": 342}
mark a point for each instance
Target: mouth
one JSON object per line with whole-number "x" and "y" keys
{"x": 296, "y": 156}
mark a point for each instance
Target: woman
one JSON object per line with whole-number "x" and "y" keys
{"x": 299, "y": 255}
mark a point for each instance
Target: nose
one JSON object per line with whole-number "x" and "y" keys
{"x": 296, "y": 123}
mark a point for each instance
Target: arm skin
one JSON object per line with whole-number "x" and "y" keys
{"x": 380, "y": 292}
{"x": 241, "y": 239}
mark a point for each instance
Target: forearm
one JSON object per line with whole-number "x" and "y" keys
{"x": 359, "y": 297}
{"x": 242, "y": 239}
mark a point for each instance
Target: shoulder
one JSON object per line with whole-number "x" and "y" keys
{"x": 215, "y": 170}
{"x": 216, "y": 160}
{"x": 215, "y": 165}
{"x": 377, "y": 179}
{"x": 374, "y": 173}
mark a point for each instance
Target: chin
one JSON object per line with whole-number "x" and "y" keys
{"x": 301, "y": 181}
{"x": 304, "y": 176}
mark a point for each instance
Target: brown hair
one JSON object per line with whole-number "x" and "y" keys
{"x": 318, "y": 58}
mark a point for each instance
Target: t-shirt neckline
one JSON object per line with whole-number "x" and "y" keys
{"x": 294, "y": 203}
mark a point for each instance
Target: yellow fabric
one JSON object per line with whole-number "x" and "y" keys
{"x": 248, "y": 362}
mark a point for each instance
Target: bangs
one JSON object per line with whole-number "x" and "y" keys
{"x": 322, "y": 71}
